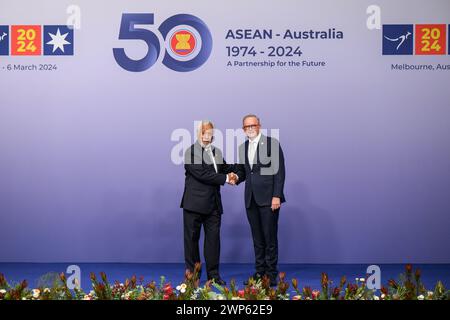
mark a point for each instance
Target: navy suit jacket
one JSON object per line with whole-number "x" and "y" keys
{"x": 202, "y": 183}
{"x": 265, "y": 179}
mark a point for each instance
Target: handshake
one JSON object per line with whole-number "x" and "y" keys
{"x": 232, "y": 178}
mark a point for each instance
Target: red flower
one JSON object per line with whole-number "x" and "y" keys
{"x": 24, "y": 284}
{"x": 408, "y": 268}
{"x": 2, "y": 280}
{"x": 393, "y": 284}
{"x": 241, "y": 293}
{"x": 307, "y": 292}
{"x": 417, "y": 274}
{"x": 197, "y": 268}
{"x": 295, "y": 283}
{"x": 188, "y": 275}
{"x": 152, "y": 285}
{"x": 103, "y": 276}
{"x": 336, "y": 292}
{"x": 315, "y": 294}
{"x": 168, "y": 290}
{"x": 133, "y": 281}
{"x": 343, "y": 281}
{"x": 62, "y": 276}
{"x": 324, "y": 280}
{"x": 352, "y": 288}
{"x": 384, "y": 290}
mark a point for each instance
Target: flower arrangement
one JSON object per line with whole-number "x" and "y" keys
{"x": 408, "y": 287}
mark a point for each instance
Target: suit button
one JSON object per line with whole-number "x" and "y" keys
{"x": 252, "y": 172}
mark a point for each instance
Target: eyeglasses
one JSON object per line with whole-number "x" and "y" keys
{"x": 251, "y": 127}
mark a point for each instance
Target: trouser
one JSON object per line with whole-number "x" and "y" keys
{"x": 193, "y": 222}
{"x": 264, "y": 226}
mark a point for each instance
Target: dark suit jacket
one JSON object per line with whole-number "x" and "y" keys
{"x": 202, "y": 183}
{"x": 266, "y": 178}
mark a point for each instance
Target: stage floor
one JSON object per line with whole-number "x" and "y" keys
{"x": 307, "y": 274}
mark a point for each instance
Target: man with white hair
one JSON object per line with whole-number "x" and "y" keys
{"x": 205, "y": 171}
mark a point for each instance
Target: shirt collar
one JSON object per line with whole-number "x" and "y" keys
{"x": 257, "y": 138}
{"x": 206, "y": 147}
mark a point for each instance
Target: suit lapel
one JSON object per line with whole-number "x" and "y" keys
{"x": 262, "y": 144}
{"x": 247, "y": 162}
{"x": 204, "y": 157}
{"x": 213, "y": 149}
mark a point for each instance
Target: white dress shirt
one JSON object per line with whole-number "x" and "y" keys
{"x": 252, "y": 146}
{"x": 208, "y": 149}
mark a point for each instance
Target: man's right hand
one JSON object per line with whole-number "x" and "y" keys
{"x": 232, "y": 178}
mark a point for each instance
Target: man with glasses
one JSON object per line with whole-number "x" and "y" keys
{"x": 261, "y": 165}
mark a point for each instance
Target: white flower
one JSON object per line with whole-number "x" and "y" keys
{"x": 383, "y": 296}
{"x": 376, "y": 297}
{"x": 87, "y": 297}
{"x": 362, "y": 279}
{"x": 2, "y": 291}
{"x": 24, "y": 298}
{"x": 36, "y": 293}
{"x": 46, "y": 290}
{"x": 430, "y": 294}
{"x": 220, "y": 297}
{"x": 421, "y": 297}
{"x": 182, "y": 287}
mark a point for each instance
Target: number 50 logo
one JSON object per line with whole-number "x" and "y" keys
{"x": 187, "y": 42}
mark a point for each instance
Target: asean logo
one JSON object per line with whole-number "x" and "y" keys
{"x": 183, "y": 43}
{"x": 187, "y": 42}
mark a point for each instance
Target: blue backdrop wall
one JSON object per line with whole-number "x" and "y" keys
{"x": 89, "y": 151}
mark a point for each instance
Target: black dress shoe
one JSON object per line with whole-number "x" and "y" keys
{"x": 256, "y": 276}
{"x": 219, "y": 281}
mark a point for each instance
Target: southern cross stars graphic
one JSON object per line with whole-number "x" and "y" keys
{"x": 58, "y": 40}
